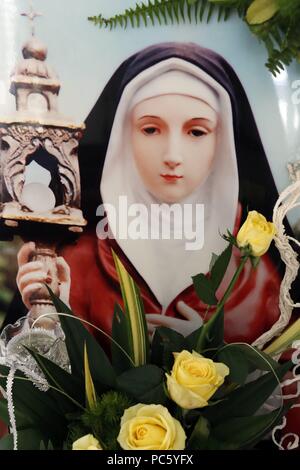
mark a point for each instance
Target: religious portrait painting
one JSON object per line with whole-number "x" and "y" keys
{"x": 149, "y": 147}
{"x": 178, "y": 131}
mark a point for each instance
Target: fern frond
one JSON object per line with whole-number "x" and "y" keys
{"x": 165, "y": 12}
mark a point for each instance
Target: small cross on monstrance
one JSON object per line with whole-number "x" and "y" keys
{"x": 31, "y": 15}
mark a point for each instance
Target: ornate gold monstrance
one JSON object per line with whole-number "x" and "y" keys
{"x": 39, "y": 179}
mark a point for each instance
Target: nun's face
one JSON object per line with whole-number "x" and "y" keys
{"x": 174, "y": 142}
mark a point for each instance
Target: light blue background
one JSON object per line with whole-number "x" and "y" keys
{"x": 85, "y": 57}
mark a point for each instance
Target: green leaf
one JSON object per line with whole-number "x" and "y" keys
{"x": 175, "y": 7}
{"x": 196, "y": 11}
{"x": 151, "y": 16}
{"x": 41, "y": 408}
{"x": 191, "y": 341}
{"x": 157, "y": 14}
{"x": 3, "y": 411}
{"x": 202, "y": 10}
{"x": 6, "y": 443}
{"x": 214, "y": 258}
{"x": 189, "y": 11}
{"x": 165, "y": 342}
{"x": 261, "y": 11}
{"x": 47, "y": 445}
{"x": 238, "y": 366}
{"x": 145, "y": 384}
{"x": 170, "y": 12}
{"x": 256, "y": 359}
{"x": 182, "y": 10}
{"x": 211, "y": 335}
{"x": 60, "y": 379}
{"x": 22, "y": 421}
{"x": 240, "y": 433}
{"x": 204, "y": 289}
{"x": 210, "y": 12}
{"x": 163, "y": 11}
{"x": 90, "y": 392}
{"x": 76, "y": 337}
{"x": 220, "y": 266}
{"x": 247, "y": 399}
{"x": 285, "y": 340}
{"x": 214, "y": 444}
{"x": 200, "y": 435}
{"x": 122, "y": 336}
{"x": 134, "y": 309}
{"x": 28, "y": 439}
{"x": 242, "y": 359}
{"x": 254, "y": 261}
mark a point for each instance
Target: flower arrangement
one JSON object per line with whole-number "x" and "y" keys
{"x": 61, "y": 391}
{"x": 273, "y": 22}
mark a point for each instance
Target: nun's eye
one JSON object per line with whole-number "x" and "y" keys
{"x": 196, "y": 132}
{"x": 150, "y": 130}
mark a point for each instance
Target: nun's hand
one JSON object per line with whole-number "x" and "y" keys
{"x": 192, "y": 321}
{"x": 32, "y": 275}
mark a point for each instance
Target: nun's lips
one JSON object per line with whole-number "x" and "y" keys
{"x": 170, "y": 178}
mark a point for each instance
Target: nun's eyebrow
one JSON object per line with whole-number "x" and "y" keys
{"x": 201, "y": 119}
{"x": 148, "y": 116}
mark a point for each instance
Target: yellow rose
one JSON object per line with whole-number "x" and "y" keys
{"x": 150, "y": 427}
{"x": 88, "y": 442}
{"x": 194, "y": 379}
{"x": 256, "y": 232}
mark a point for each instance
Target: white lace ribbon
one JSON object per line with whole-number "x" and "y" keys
{"x": 287, "y": 201}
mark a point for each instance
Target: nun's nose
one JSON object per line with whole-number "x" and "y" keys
{"x": 172, "y": 164}
{"x": 173, "y": 156}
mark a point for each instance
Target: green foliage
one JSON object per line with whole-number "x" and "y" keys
{"x": 144, "y": 384}
{"x": 23, "y": 422}
{"x": 165, "y": 342}
{"x": 245, "y": 432}
{"x": 135, "y": 327}
{"x": 46, "y": 446}
{"x": 104, "y": 419}
{"x": 76, "y": 337}
{"x": 247, "y": 399}
{"x": 220, "y": 266}
{"x": 76, "y": 429}
{"x": 163, "y": 11}
{"x": 45, "y": 410}
{"x": 56, "y": 418}
{"x": 280, "y": 31}
{"x": 211, "y": 335}
{"x": 57, "y": 377}
{"x": 200, "y": 435}
{"x": 28, "y": 439}
{"x": 230, "y": 423}
{"x": 206, "y": 287}
{"x": 121, "y": 358}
